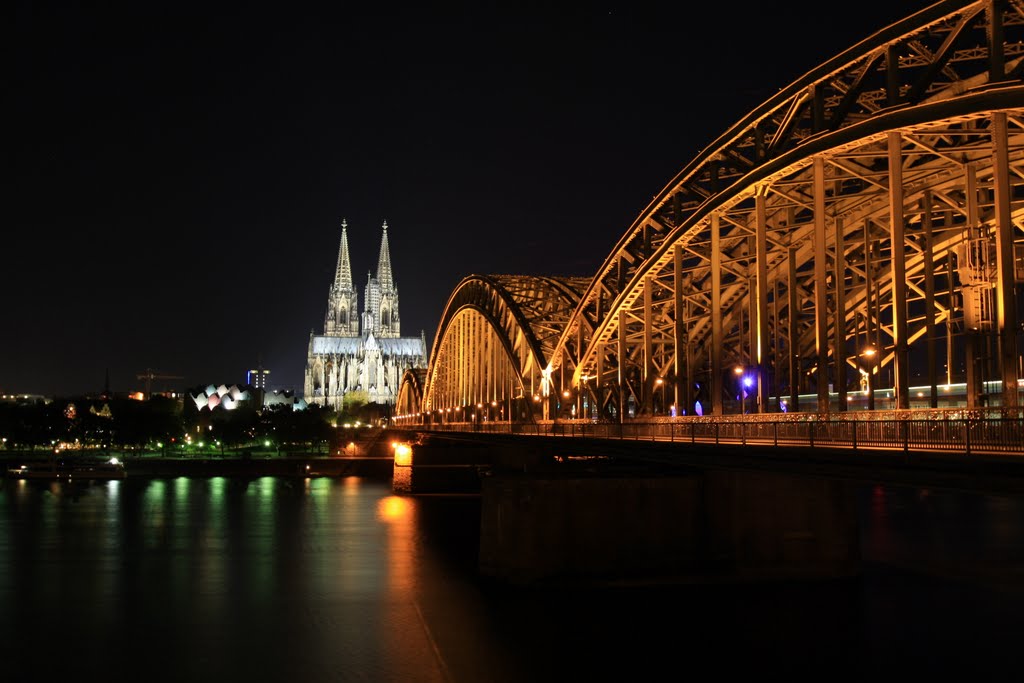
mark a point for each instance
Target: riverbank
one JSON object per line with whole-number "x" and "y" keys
{"x": 366, "y": 453}
{"x": 377, "y": 467}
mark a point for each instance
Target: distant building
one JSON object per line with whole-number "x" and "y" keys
{"x": 238, "y": 395}
{"x": 283, "y": 398}
{"x": 361, "y": 353}
{"x": 258, "y": 378}
{"x": 23, "y": 399}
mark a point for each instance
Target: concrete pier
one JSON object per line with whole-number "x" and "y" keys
{"x": 452, "y": 466}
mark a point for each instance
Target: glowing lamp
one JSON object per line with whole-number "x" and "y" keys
{"x": 403, "y": 455}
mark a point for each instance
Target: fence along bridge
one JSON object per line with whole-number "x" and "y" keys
{"x": 863, "y": 227}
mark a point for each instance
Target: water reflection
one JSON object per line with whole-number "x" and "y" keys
{"x": 322, "y": 579}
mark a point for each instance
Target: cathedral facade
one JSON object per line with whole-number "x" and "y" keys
{"x": 361, "y": 352}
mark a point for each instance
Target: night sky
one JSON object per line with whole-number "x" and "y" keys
{"x": 180, "y": 170}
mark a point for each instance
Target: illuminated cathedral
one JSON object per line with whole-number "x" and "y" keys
{"x": 363, "y": 353}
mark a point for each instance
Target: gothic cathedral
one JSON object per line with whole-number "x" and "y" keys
{"x": 361, "y": 353}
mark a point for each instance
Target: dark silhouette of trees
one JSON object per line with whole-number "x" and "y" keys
{"x": 124, "y": 423}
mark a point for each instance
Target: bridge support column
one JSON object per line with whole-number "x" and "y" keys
{"x": 929, "y": 298}
{"x": 621, "y": 360}
{"x": 901, "y": 390}
{"x": 839, "y": 319}
{"x": 820, "y": 288}
{"x": 717, "y": 340}
{"x": 1006, "y": 303}
{"x": 681, "y": 357}
{"x": 794, "y": 335}
{"x": 760, "y": 353}
{"x": 441, "y": 465}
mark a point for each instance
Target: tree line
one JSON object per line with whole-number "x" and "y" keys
{"x": 162, "y": 423}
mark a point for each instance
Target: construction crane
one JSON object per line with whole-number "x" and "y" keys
{"x": 149, "y": 375}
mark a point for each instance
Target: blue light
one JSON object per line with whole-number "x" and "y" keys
{"x": 748, "y": 381}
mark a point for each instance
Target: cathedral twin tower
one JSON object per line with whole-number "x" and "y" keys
{"x": 365, "y": 354}
{"x": 381, "y": 296}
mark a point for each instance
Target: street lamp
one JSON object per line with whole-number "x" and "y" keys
{"x": 738, "y": 370}
{"x": 511, "y": 402}
{"x": 585, "y": 397}
{"x": 870, "y": 356}
{"x": 745, "y": 382}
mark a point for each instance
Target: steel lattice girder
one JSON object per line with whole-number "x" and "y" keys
{"x": 925, "y": 89}
{"x": 496, "y": 335}
{"x": 410, "y": 392}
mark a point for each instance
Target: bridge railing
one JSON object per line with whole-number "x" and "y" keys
{"x": 957, "y": 435}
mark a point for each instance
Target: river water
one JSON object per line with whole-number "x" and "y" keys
{"x": 336, "y": 579}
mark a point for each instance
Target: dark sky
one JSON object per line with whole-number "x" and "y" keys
{"x": 180, "y": 170}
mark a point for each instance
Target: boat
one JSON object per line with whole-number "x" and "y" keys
{"x": 64, "y": 471}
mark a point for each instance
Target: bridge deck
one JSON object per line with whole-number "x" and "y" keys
{"x": 997, "y": 473}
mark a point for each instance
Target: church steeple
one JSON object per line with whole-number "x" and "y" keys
{"x": 380, "y": 314}
{"x": 384, "y": 262}
{"x": 342, "y": 317}
{"x": 343, "y": 273}
{"x": 364, "y": 353}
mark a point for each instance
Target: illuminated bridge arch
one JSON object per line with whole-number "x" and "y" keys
{"x": 490, "y": 354}
{"x": 872, "y": 208}
{"x": 410, "y": 392}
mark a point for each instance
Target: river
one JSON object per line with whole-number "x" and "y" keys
{"x": 336, "y": 579}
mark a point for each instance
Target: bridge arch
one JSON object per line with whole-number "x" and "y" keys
{"x": 489, "y": 359}
{"x": 409, "y": 401}
{"x": 874, "y": 205}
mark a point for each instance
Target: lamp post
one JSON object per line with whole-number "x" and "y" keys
{"x": 511, "y": 403}
{"x": 659, "y": 385}
{"x": 545, "y": 390}
{"x": 581, "y": 396}
{"x": 738, "y": 370}
{"x": 870, "y": 355}
{"x": 745, "y": 382}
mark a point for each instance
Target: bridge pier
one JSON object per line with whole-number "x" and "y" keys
{"x": 453, "y": 466}
{"x": 711, "y": 525}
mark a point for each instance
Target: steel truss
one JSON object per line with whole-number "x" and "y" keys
{"x": 489, "y": 358}
{"x": 871, "y": 210}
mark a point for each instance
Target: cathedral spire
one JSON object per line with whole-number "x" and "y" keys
{"x": 342, "y": 317}
{"x": 384, "y": 262}
{"x": 343, "y": 274}
{"x": 361, "y": 351}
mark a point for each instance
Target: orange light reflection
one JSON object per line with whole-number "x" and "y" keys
{"x": 394, "y": 508}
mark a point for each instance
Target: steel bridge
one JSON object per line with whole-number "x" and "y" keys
{"x": 855, "y": 243}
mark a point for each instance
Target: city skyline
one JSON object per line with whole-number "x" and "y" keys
{"x": 181, "y": 178}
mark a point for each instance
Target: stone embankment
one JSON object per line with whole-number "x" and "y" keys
{"x": 367, "y": 455}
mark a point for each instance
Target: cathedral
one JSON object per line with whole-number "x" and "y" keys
{"x": 361, "y": 353}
